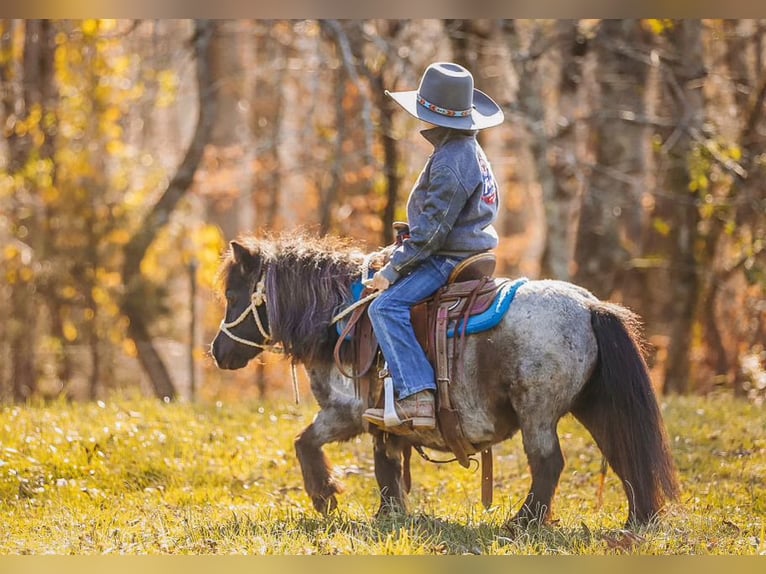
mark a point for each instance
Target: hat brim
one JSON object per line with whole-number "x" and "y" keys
{"x": 485, "y": 113}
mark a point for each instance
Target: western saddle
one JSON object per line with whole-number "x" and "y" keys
{"x": 470, "y": 290}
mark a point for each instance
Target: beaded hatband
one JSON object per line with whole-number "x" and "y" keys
{"x": 443, "y": 111}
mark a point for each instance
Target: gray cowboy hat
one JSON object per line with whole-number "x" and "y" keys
{"x": 446, "y": 97}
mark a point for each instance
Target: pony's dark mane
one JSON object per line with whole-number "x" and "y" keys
{"x": 308, "y": 280}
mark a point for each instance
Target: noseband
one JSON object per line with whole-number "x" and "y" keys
{"x": 257, "y": 299}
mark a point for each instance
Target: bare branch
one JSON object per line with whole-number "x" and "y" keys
{"x": 335, "y": 29}
{"x": 135, "y": 250}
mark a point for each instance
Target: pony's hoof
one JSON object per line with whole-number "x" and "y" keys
{"x": 325, "y": 504}
{"x": 514, "y": 527}
{"x": 390, "y": 508}
{"x": 523, "y": 521}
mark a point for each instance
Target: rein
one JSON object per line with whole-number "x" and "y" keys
{"x": 365, "y": 278}
{"x": 352, "y": 307}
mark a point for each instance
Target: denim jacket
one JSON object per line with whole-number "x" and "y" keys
{"x": 452, "y": 206}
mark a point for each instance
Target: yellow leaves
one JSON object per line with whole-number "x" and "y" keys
{"x": 119, "y": 236}
{"x": 661, "y": 226}
{"x": 208, "y": 244}
{"x": 89, "y": 27}
{"x": 129, "y": 348}
{"x": 658, "y": 26}
{"x": 69, "y": 331}
{"x": 699, "y": 183}
{"x": 708, "y": 208}
{"x": 68, "y": 292}
{"x": 18, "y": 263}
{"x": 111, "y": 115}
{"x": 26, "y": 274}
{"x": 20, "y": 275}
{"x": 100, "y": 295}
{"x": 154, "y": 265}
{"x": 50, "y": 195}
{"x": 6, "y": 56}
{"x": 121, "y": 65}
{"x": 30, "y": 125}
{"x": 115, "y": 147}
{"x": 11, "y": 252}
{"x": 167, "y": 82}
{"x": 106, "y": 284}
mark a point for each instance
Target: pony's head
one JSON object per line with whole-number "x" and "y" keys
{"x": 283, "y": 290}
{"x": 244, "y": 330}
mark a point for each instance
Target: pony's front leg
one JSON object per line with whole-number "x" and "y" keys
{"x": 330, "y": 425}
{"x": 392, "y": 471}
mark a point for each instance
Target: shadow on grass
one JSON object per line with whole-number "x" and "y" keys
{"x": 421, "y": 533}
{"x": 424, "y": 533}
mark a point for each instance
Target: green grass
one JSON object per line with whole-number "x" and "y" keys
{"x": 135, "y": 476}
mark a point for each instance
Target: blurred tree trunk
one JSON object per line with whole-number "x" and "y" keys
{"x": 739, "y": 220}
{"x": 555, "y": 154}
{"x": 682, "y": 100}
{"x": 386, "y": 109}
{"x": 29, "y": 89}
{"x": 268, "y": 109}
{"x": 565, "y": 157}
{"x": 266, "y": 126}
{"x": 328, "y": 197}
{"x": 387, "y": 32}
{"x": 158, "y": 216}
{"x": 233, "y": 52}
{"x": 611, "y": 214}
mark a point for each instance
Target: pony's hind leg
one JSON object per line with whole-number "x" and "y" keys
{"x": 392, "y": 462}
{"x": 541, "y": 445}
{"x": 330, "y": 425}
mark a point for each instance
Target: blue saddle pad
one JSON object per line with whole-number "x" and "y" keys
{"x": 477, "y": 323}
{"x": 494, "y": 313}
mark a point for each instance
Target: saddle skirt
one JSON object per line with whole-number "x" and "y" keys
{"x": 474, "y": 306}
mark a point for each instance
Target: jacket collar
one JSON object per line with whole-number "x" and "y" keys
{"x": 438, "y": 135}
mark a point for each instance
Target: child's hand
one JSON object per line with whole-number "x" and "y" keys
{"x": 379, "y": 283}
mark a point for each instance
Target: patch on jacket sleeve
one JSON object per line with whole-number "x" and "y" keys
{"x": 489, "y": 185}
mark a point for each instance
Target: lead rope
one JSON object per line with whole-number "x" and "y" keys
{"x": 294, "y": 373}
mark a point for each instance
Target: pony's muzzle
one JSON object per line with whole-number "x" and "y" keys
{"x": 228, "y": 355}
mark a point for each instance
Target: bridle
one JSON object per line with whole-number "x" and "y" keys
{"x": 257, "y": 299}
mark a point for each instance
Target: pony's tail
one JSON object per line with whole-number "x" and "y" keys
{"x": 619, "y": 408}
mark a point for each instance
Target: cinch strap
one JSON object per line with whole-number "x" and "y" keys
{"x": 443, "y": 111}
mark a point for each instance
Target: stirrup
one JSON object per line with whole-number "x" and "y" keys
{"x": 390, "y": 416}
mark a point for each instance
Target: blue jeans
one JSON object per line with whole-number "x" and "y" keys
{"x": 390, "y": 315}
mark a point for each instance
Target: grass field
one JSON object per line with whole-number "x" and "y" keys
{"x": 136, "y": 476}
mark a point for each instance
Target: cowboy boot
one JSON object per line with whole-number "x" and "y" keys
{"x": 417, "y": 411}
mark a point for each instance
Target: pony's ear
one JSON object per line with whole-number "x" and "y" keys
{"x": 241, "y": 255}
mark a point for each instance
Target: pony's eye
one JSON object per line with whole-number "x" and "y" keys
{"x": 231, "y": 297}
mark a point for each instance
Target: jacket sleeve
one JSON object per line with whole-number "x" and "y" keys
{"x": 445, "y": 198}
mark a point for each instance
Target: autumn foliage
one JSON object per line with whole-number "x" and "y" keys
{"x": 631, "y": 162}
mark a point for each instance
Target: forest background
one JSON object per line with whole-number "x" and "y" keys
{"x": 631, "y": 162}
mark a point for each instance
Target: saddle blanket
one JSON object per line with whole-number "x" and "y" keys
{"x": 476, "y": 323}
